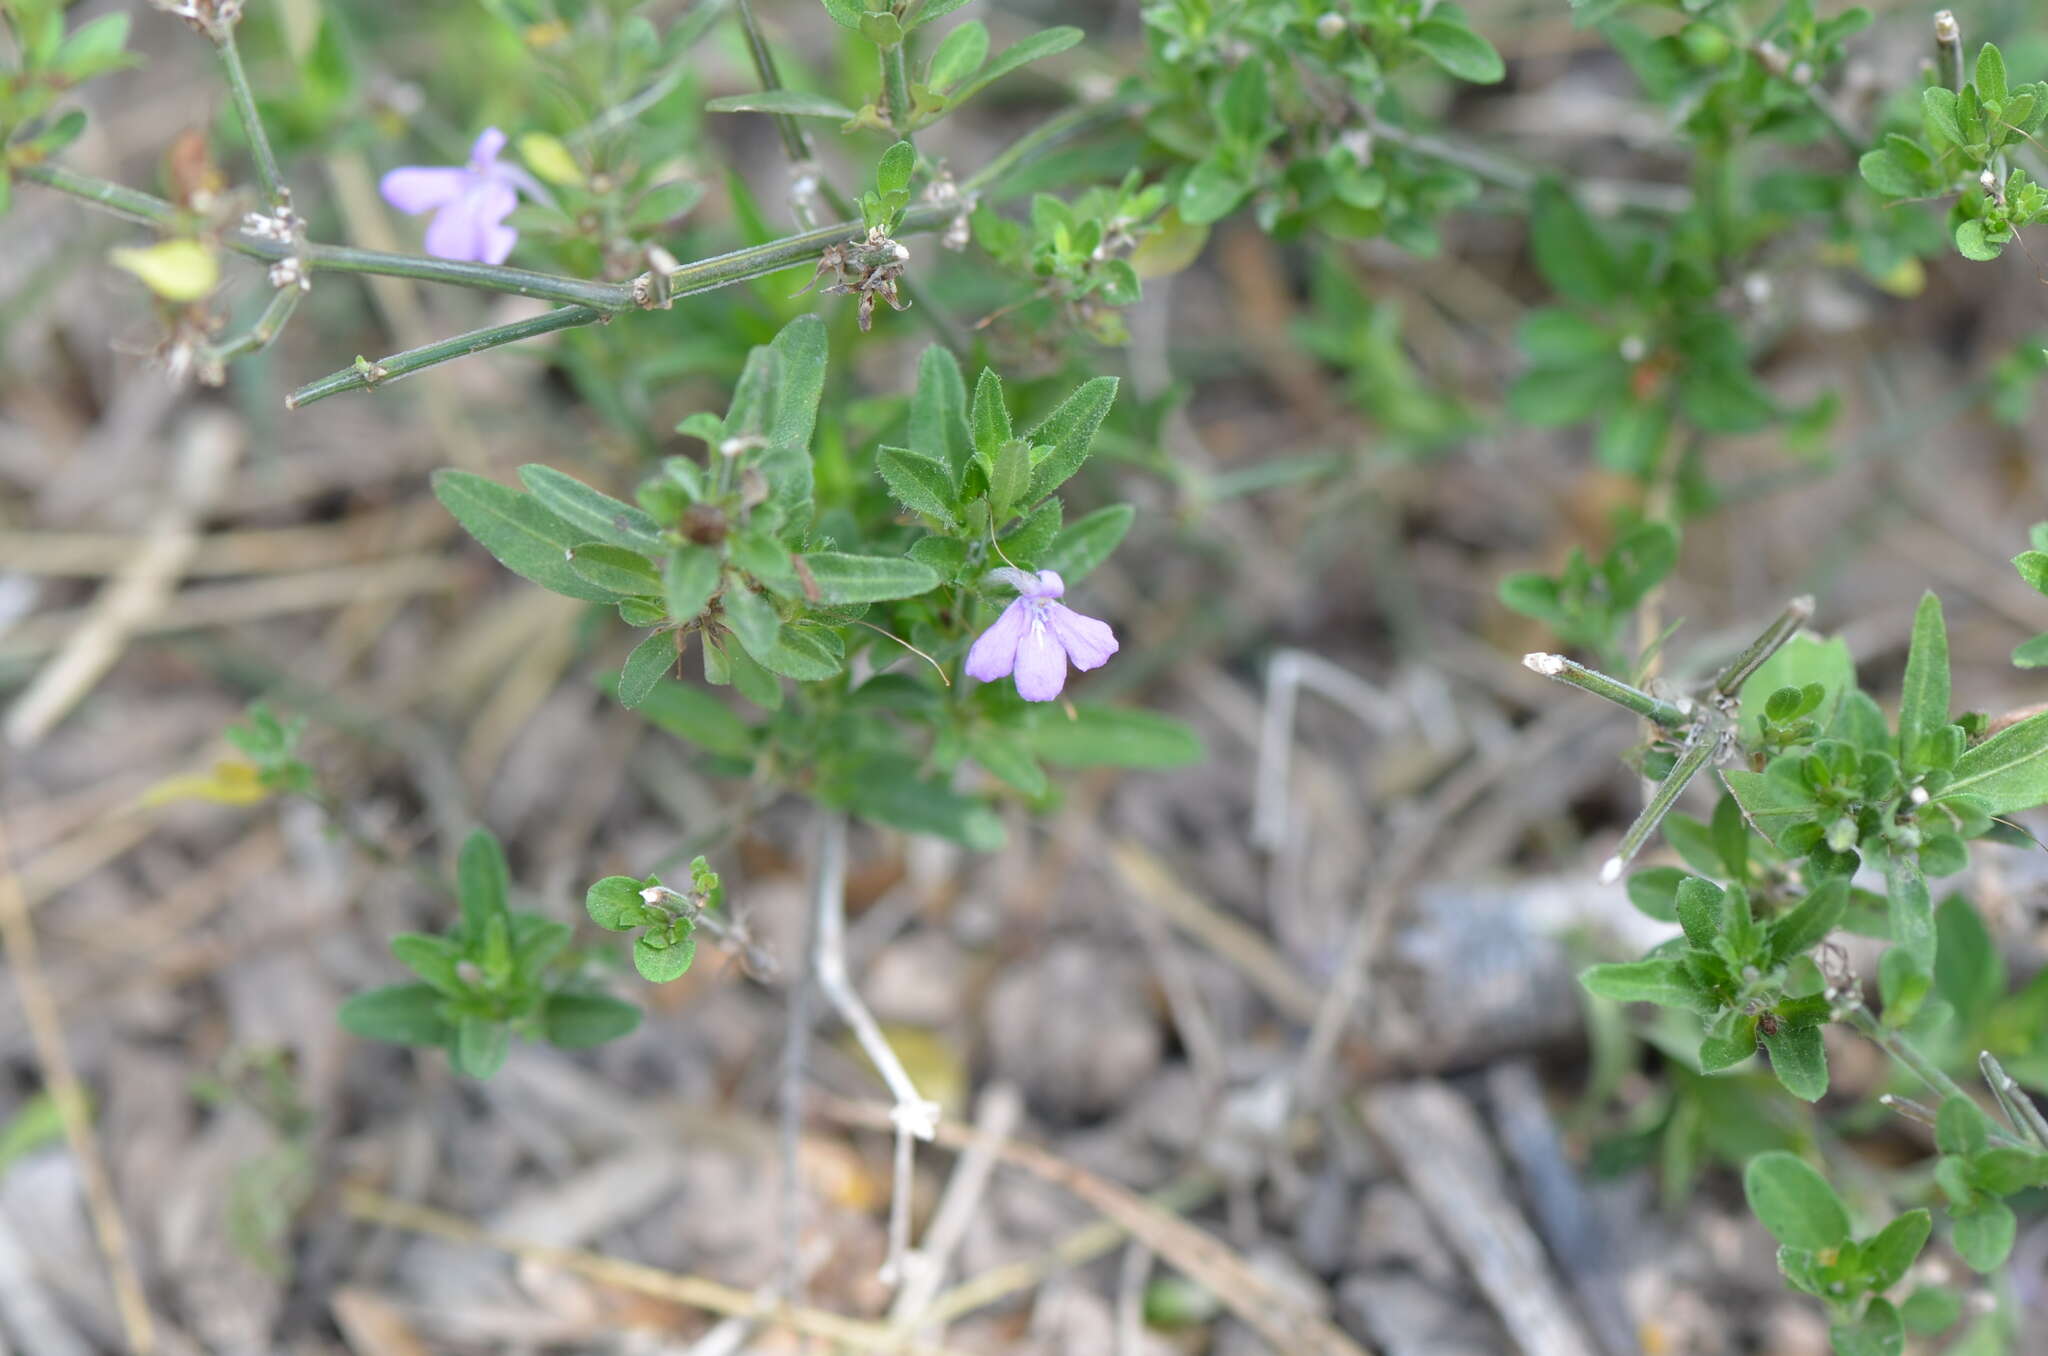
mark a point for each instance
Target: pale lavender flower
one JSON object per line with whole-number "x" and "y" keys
{"x": 1037, "y": 637}
{"x": 469, "y": 202}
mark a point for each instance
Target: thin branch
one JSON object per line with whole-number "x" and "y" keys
{"x": 46, "y": 1027}
{"x": 913, "y": 1116}
{"x": 795, "y": 140}
{"x": 703, "y": 276}
{"x": 1698, "y": 752}
{"x": 149, "y": 210}
{"x": 1564, "y": 670}
{"x": 1782, "y": 628}
{"x": 266, "y": 329}
{"x": 896, "y": 89}
{"x": 222, "y": 31}
{"x": 1948, "y": 49}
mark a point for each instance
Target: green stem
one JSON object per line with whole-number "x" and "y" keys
{"x": 705, "y": 275}
{"x": 795, "y": 140}
{"x": 1556, "y": 666}
{"x": 130, "y": 204}
{"x": 223, "y": 34}
{"x": 896, "y": 89}
{"x": 1899, "y": 1048}
{"x": 149, "y": 210}
{"x": 1782, "y": 628}
{"x": 267, "y": 327}
{"x": 1948, "y": 49}
{"x": 1706, "y": 741}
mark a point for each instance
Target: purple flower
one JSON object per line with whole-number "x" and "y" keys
{"x": 1037, "y": 637}
{"x": 469, "y": 203}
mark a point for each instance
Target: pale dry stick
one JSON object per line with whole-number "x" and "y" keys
{"x": 1077, "y": 1249}
{"x": 914, "y": 1117}
{"x": 2019, "y": 1107}
{"x": 209, "y": 444}
{"x": 996, "y": 1114}
{"x": 1286, "y": 674}
{"x": 250, "y": 600}
{"x": 263, "y": 550}
{"x": 533, "y": 677}
{"x": 1437, "y": 1142}
{"x": 1275, "y": 1314}
{"x": 695, "y": 1292}
{"x": 18, "y": 932}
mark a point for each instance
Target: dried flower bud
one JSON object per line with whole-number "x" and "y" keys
{"x": 1332, "y": 26}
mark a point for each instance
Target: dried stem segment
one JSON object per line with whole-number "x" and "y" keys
{"x": 1699, "y": 751}
{"x": 1782, "y": 628}
{"x": 1667, "y": 714}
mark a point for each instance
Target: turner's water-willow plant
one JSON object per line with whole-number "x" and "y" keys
{"x": 892, "y": 589}
{"x": 1830, "y": 819}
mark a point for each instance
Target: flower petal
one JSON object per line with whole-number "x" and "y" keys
{"x": 422, "y": 188}
{"x": 1041, "y": 664}
{"x": 484, "y": 153}
{"x": 1049, "y": 585}
{"x": 469, "y": 228}
{"x": 1089, "y": 643}
{"x": 995, "y": 653}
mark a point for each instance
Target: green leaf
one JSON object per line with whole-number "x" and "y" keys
{"x": 599, "y": 515}
{"x": 892, "y": 790}
{"x": 1938, "y": 115}
{"x": 688, "y": 579}
{"x": 1931, "y": 1309}
{"x": 1968, "y": 971}
{"x": 437, "y": 960}
{"x": 845, "y": 13}
{"x": 1699, "y": 910}
{"x": 1883, "y": 171}
{"x": 660, "y": 961}
{"x": 1114, "y": 736}
{"x": 1911, "y": 907}
{"x": 1923, "y": 701}
{"x": 1068, "y": 431}
{"x": 784, "y": 102}
{"x": 1211, "y": 191}
{"x": 867, "y": 579}
{"x": 1902, "y": 985}
{"x": 989, "y": 418}
{"x": 1877, "y": 1331}
{"x": 1891, "y": 1250}
{"x": 1794, "y": 1202}
{"x": 1043, "y": 44}
{"x": 1961, "y": 1128}
{"x": 920, "y": 483}
{"x": 577, "y": 1021}
{"x": 1773, "y": 803}
{"x": 1990, "y": 76}
{"x": 1983, "y": 1234}
{"x": 1459, "y": 50}
{"x": 526, "y": 538}
{"x": 1973, "y": 243}
{"x": 651, "y": 659}
{"x": 2007, "y": 1171}
{"x": 958, "y": 56}
{"x": 1245, "y": 106}
{"x": 483, "y": 882}
{"x": 932, "y": 9}
{"x": 615, "y": 905}
{"x": 1008, "y": 479}
{"x": 403, "y": 1014}
{"x": 893, "y": 170}
{"x": 1653, "y": 891}
{"x": 1087, "y": 542}
{"x": 1809, "y": 922}
{"x": 1006, "y": 755}
{"x": 617, "y": 571}
{"x": 1799, "y": 1059}
{"x": 2009, "y": 771}
{"x": 1570, "y": 251}
{"x": 2032, "y": 654}
{"x": 481, "y": 1044}
{"x": 1660, "y": 980}
{"x": 692, "y": 714}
